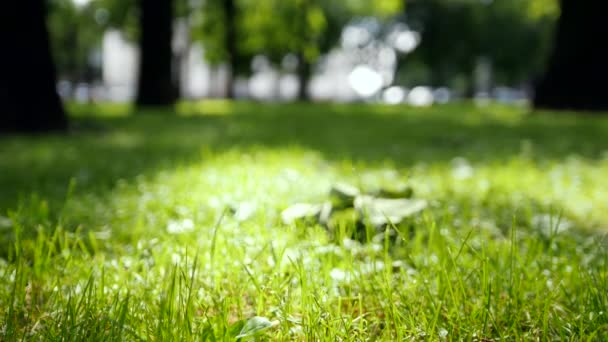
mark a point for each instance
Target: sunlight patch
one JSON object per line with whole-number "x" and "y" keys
{"x": 180, "y": 227}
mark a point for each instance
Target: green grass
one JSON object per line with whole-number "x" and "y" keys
{"x": 512, "y": 246}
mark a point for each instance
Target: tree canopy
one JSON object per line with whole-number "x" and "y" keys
{"x": 515, "y": 35}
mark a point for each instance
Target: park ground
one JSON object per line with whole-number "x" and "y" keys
{"x": 155, "y": 226}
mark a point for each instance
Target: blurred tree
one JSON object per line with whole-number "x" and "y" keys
{"x": 119, "y": 14}
{"x": 315, "y": 27}
{"x": 450, "y": 41}
{"x": 218, "y": 25}
{"x": 577, "y": 71}
{"x": 155, "y": 86}
{"x": 75, "y": 32}
{"x": 513, "y": 35}
{"x": 234, "y": 31}
{"x": 305, "y": 22}
{"x": 151, "y": 23}
{"x": 304, "y": 28}
{"x": 516, "y": 36}
{"x": 27, "y": 84}
{"x": 230, "y": 42}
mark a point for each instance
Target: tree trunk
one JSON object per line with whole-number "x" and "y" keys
{"x": 304, "y": 74}
{"x": 577, "y": 72}
{"x": 230, "y": 45}
{"x": 155, "y": 83}
{"x": 28, "y": 94}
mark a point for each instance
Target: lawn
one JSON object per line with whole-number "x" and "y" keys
{"x": 154, "y": 226}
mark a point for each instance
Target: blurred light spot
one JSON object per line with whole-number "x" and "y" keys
{"x": 82, "y": 92}
{"x": 101, "y": 16}
{"x": 509, "y": 95}
{"x": 120, "y": 59}
{"x": 178, "y": 227}
{"x": 549, "y": 225}
{"x": 5, "y": 222}
{"x": 420, "y": 97}
{"x": 482, "y": 99}
{"x": 64, "y": 88}
{"x": 260, "y": 63}
{"x": 288, "y": 87}
{"x": 387, "y": 76}
{"x": 262, "y": 85}
{"x": 289, "y": 62}
{"x": 322, "y": 87}
{"x": 406, "y": 41}
{"x": 442, "y": 95}
{"x": 339, "y": 275}
{"x": 394, "y": 95}
{"x": 353, "y": 36}
{"x": 461, "y": 169}
{"x": 241, "y": 87}
{"x": 181, "y": 38}
{"x": 81, "y": 3}
{"x": 365, "y": 81}
{"x": 387, "y": 57}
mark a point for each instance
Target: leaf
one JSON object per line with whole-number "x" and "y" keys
{"x": 325, "y": 213}
{"x": 343, "y": 195}
{"x": 255, "y": 325}
{"x": 300, "y": 211}
{"x": 381, "y": 211}
{"x": 243, "y": 211}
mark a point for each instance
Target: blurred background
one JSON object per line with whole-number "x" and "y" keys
{"x": 385, "y": 51}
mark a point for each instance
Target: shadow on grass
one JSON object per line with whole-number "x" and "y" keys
{"x": 106, "y": 148}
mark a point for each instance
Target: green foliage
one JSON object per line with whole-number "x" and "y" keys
{"x": 273, "y": 28}
{"x": 512, "y": 245}
{"x": 207, "y": 21}
{"x": 276, "y": 28}
{"x": 74, "y": 34}
{"x": 120, "y": 14}
{"x": 542, "y": 9}
{"x": 514, "y": 34}
{"x": 518, "y": 37}
{"x": 380, "y": 8}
